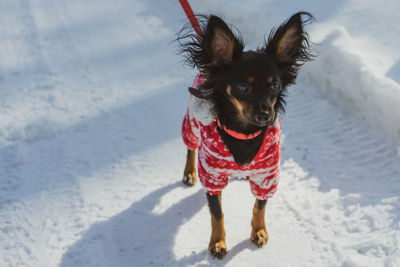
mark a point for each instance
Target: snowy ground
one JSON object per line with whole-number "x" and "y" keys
{"x": 91, "y": 101}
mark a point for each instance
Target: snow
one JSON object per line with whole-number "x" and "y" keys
{"x": 91, "y": 159}
{"x": 358, "y": 89}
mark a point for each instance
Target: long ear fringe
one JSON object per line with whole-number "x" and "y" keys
{"x": 191, "y": 46}
{"x": 300, "y": 56}
{"x": 280, "y": 103}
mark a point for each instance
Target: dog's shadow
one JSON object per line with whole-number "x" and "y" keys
{"x": 140, "y": 237}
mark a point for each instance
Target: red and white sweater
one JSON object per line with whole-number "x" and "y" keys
{"x": 216, "y": 164}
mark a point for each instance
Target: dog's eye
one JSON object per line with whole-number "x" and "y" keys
{"x": 243, "y": 88}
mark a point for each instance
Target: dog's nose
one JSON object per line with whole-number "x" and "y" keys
{"x": 264, "y": 113}
{"x": 263, "y": 117}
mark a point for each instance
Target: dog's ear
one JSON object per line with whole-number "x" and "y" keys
{"x": 220, "y": 43}
{"x": 215, "y": 46}
{"x": 210, "y": 52}
{"x": 289, "y": 45}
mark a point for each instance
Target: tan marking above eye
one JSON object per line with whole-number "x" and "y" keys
{"x": 251, "y": 79}
{"x": 270, "y": 79}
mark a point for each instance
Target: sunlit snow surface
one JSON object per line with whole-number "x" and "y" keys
{"x": 91, "y": 101}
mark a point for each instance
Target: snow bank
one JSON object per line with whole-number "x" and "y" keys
{"x": 346, "y": 78}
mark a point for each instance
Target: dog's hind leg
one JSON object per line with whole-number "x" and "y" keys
{"x": 259, "y": 235}
{"x": 217, "y": 246}
{"x": 189, "y": 175}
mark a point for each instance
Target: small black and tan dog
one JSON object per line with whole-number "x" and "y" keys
{"x": 246, "y": 91}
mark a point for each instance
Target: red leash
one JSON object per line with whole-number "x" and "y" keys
{"x": 192, "y": 18}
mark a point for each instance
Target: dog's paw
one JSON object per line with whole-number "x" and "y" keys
{"x": 259, "y": 238}
{"x": 189, "y": 179}
{"x": 218, "y": 250}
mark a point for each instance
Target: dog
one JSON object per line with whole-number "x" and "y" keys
{"x": 232, "y": 119}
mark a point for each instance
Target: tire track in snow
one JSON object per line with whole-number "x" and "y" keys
{"x": 349, "y": 192}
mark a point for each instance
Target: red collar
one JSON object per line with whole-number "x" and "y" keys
{"x": 238, "y": 135}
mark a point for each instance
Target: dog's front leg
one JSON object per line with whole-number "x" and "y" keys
{"x": 217, "y": 245}
{"x": 189, "y": 175}
{"x": 259, "y": 235}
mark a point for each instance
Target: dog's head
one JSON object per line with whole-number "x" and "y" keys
{"x": 247, "y": 88}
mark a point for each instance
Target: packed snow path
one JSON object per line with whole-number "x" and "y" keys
{"x": 91, "y": 158}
